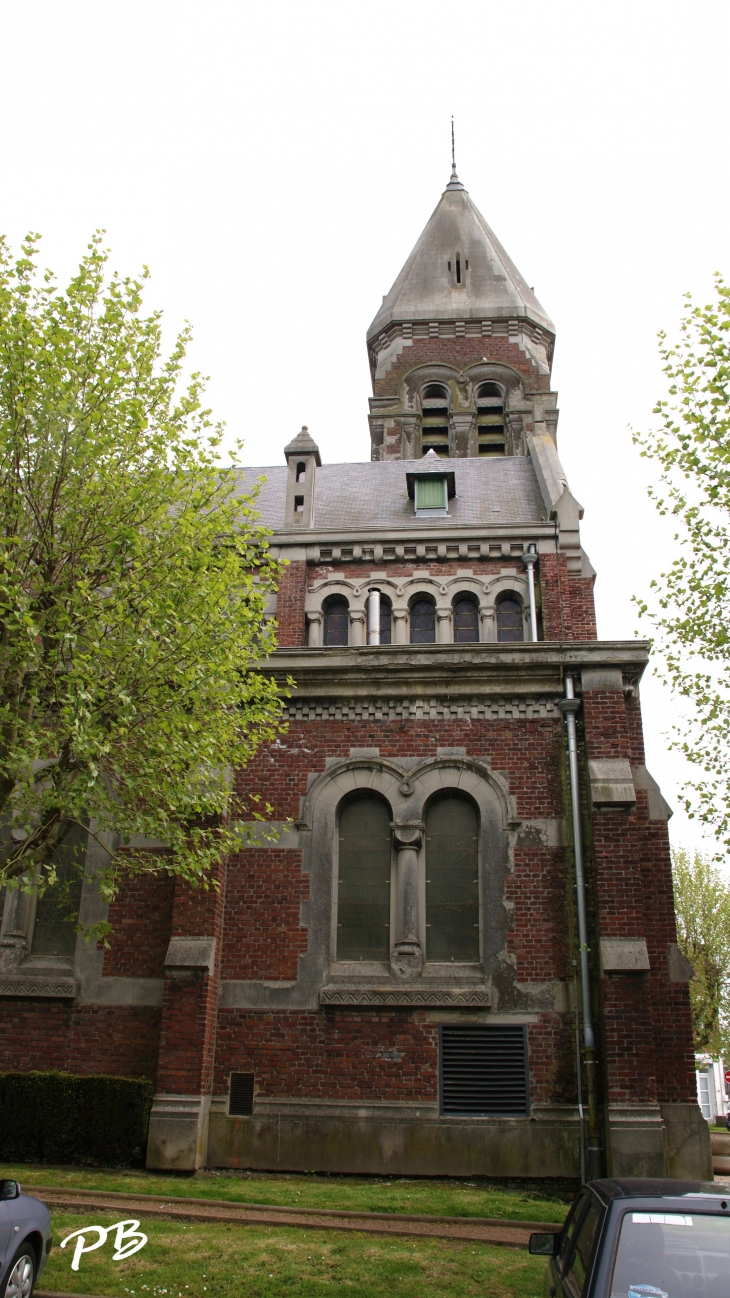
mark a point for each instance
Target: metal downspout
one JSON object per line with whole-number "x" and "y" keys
{"x": 530, "y": 559}
{"x": 569, "y": 706}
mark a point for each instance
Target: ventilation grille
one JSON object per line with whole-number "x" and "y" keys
{"x": 240, "y": 1101}
{"x": 484, "y": 1070}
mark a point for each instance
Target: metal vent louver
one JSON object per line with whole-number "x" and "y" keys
{"x": 240, "y": 1100}
{"x": 484, "y": 1070}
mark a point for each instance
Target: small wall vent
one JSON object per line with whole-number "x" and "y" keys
{"x": 484, "y": 1070}
{"x": 240, "y": 1100}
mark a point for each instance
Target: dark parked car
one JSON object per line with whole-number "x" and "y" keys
{"x": 641, "y": 1239}
{"x": 25, "y": 1240}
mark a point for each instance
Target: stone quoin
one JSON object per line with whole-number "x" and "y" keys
{"x": 389, "y": 980}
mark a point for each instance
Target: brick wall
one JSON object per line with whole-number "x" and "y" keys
{"x": 525, "y": 750}
{"x": 290, "y": 604}
{"x": 141, "y": 918}
{"x": 188, "y": 1025}
{"x": 46, "y": 1034}
{"x": 263, "y": 936}
{"x": 647, "y": 1041}
{"x": 462, "y": 352}
{"x": 568, "y": 607}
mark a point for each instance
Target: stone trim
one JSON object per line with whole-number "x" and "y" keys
{"x": 191, "y": 953}
{"x": 611, "y": 781}
{"x": 626, "y": 955}
{"x": 40, "y": 984}
{"x": 454, "y": 998}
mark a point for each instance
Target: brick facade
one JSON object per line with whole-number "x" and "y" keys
{"x": 244, "y": 976}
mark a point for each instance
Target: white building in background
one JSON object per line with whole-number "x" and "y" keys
{"x": 711, "y": 1095}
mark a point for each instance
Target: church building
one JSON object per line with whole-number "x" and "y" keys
{"x": 453, "y": 950}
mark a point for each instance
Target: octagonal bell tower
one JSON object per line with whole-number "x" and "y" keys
{"x": 460, "y": 350}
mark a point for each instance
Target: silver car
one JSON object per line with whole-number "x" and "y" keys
{"x": 25, "y": 1240}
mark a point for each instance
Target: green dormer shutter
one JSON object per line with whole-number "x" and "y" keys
{"x": 430, "y": 492}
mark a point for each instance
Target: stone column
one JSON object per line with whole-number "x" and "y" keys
{"x": 461, "y": 429}
{"x": 400, "y": 626}
{"x": 486, "y": 619}
{"x": 314, "y": 633}
{"x": 407, "y": 957}
{"x": 16, "y": 921}
{"x": 443, "y": 626}
{"x": 357, "y": 627}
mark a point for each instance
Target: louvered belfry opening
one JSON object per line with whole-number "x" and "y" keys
{"x": 484, "y": 1071}
{"x": 240, "y": 1100}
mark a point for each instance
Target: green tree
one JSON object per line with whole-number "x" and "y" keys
{"x": 690, "y": 602}
{"x": 133, "y": 580}
{"x": 702, "y": 900}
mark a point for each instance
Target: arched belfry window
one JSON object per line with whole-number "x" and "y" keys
{"x": 301, "y": 472}
{"x": 435, "y": 419}
{"x": 363, "y": 879}
{"x": 423, "y": 621}
{"x": 466, "y": 620}
{"x": 336, "y": 622}
{"x": 510, "y": 623}
{"x": 452, "y": 879}
{"x": 490, "y": 419}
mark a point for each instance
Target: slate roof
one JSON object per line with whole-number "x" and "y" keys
{"x": 494, "y": 490}
{"x": 492, "y": 287}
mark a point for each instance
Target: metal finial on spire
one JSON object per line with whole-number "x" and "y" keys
{"x": 454, "y": 182}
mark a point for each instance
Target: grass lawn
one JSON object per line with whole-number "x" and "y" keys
{"x": 364, "y": 1194}
{"x": 217, "y": 1261}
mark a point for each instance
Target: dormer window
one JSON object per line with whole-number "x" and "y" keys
{"x": 430, "y": 494}
{"x": 435, "y": 419}
{"x": 490, "y": 419}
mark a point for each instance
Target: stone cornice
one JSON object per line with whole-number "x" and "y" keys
{"x": 447, "y": 671}
{"x": 416, "y": 532}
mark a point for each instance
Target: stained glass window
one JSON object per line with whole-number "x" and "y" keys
{"x": 452, "y": 880}
{"x": 363, "y": 886}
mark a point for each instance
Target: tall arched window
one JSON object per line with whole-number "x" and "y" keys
{"x": 452, "y": 879}
{"x": 336, "y": 622}
{"x": 510, "y": 624}
{"x": 466, "y": 620}
{"x": 386, "y": 616}
{"x": 57, "y": 911}
{"x": 423, "y": 622}
{"x": 363, "y": 880}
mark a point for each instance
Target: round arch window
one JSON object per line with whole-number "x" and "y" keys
{"x": 423, "y": 622}
{"x": 466, "y": 620}
{"x": 510, "y": 625}
{"x": 336, "y": 622}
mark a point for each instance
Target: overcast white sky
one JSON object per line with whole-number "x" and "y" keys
{"x": 274, "y": 163}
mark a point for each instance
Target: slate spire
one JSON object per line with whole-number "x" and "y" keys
{"x": 459, "y": 270}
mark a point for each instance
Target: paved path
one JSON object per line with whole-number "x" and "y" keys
{"x": 483, "y": 1230}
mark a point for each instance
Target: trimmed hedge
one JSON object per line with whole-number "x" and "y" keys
{"x": 61, "y": 1118}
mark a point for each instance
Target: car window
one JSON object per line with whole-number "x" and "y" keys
{"x": 663, "y": 1254}
{"x": 573, "y": 1220}
{"x": 579, "y": 1261}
